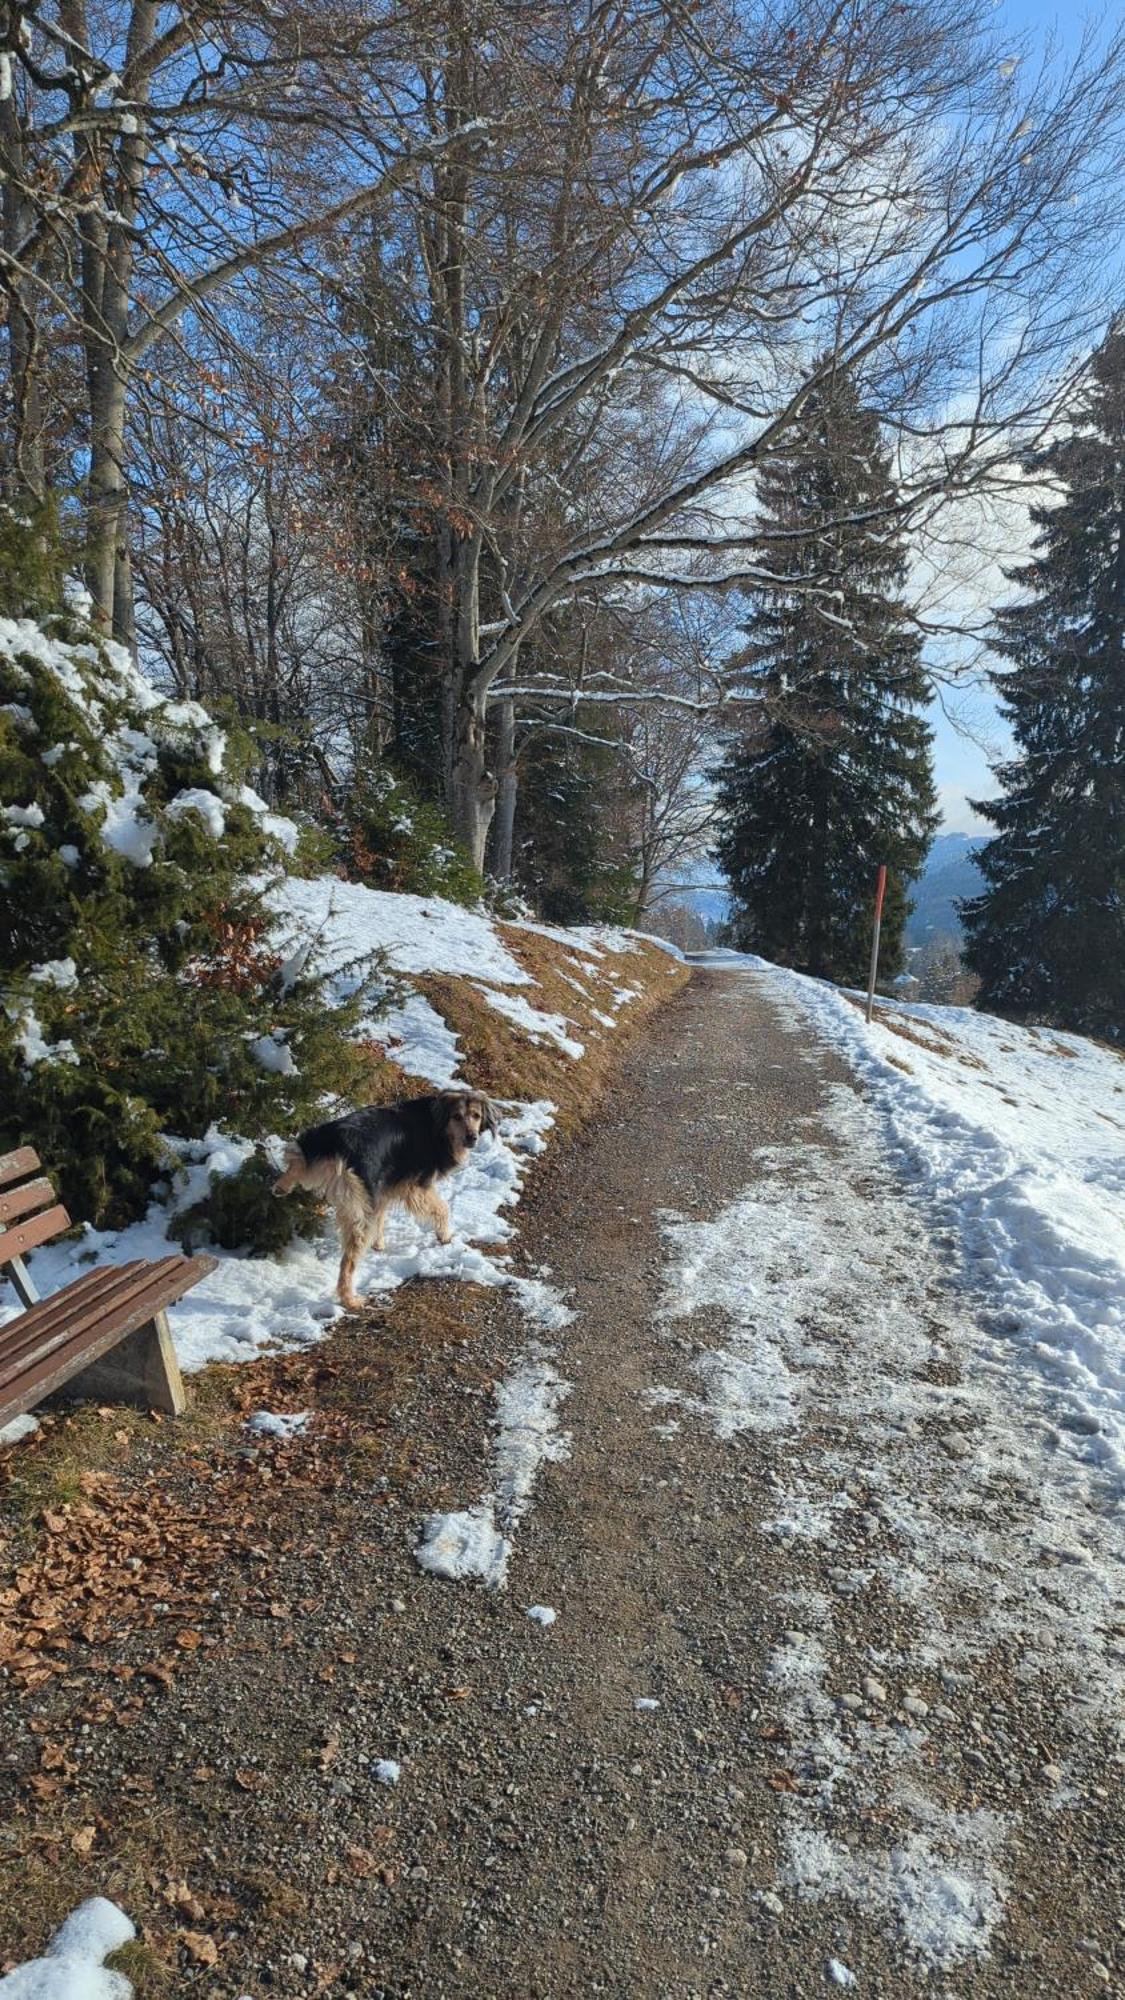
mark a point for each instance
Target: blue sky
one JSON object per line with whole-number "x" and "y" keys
{"x": 962, "y": 762}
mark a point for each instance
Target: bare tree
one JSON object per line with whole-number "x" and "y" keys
{"x": 247, "y": 589}
{"x": 686, "y": 208}
{"x": 151, "y": 155}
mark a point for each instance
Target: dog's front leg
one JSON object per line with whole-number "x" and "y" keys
{"x": 443, "y": 1222}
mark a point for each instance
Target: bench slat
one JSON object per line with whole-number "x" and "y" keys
{"x": 69, "y": 1354}
{"x": 160, "y": 1284}
{"x": 19, "y": 1200}
{"x": 13, "y": 1166}
{"x": 40, "y": 1229}
{"x": 67, "y": 1310}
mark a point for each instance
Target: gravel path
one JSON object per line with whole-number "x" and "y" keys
{"x": 876, "y": 1641}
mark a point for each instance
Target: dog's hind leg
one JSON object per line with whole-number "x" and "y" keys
{"x": 294, "y": 1174}
{"x": 360, "y": 1222}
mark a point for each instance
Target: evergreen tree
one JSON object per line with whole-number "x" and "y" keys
{"x": 1047, "y": 936}
{"x": 572, "y": 857}
{"x": 834, "y": 774}
{"x": 144, "y": 1005}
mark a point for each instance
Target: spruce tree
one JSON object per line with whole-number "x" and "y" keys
{"x": 147, "y": 1014}
{"x": 1047, "y": 936}
{"x": 833, "y": 774}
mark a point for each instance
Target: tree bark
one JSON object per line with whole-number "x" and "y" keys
{"x": 27, "y": 481}
{"x": 508, "y": 791}
{"x": 473, "y": 792}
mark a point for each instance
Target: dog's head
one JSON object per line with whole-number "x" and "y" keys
{"x": 461, "y": 1116}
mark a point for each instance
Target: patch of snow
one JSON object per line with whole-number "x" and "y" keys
{"x": 542, "y": 1304}
{"x": 31, "y": 1042}
{"x": 417, "y": 1039}
{"x": 645, "y": 1703}
{"x": 272, "y": 1052}
{"x": 209, "y": 807}
{"x": 31, "y": 815}
{"x": 285, "y": 831}
{"x": 538, "y": 1025}
{"x": 18, "y": 1428}
{"x": 73, "y": 1965}
{"x": 541, "y": 1614}
{"x": 416, "y": 933}
{"x": 126, "y": 825}
{"x": 272, "y": 1424}
{"x": 387, "y": 1772}
{"x": 841, "y": 1974}
{"x": 477, "y": 1541}
{"x": 60, "y": 972}
{"x": 944, "y": 1899}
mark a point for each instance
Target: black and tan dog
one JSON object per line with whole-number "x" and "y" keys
{"x": 370, "y": 1159}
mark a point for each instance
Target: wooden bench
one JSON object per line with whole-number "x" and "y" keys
{"x": 106, "y": 1335}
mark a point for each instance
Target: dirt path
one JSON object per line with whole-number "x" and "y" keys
{"x": 797, "y": 1516}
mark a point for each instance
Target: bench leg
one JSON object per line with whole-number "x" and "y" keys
{"x": 142, "y": 1369}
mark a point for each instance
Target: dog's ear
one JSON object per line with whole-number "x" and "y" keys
{"x": 442, "y": 1107}
{"x": 489, "y": 1120}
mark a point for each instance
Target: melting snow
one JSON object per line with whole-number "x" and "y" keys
{"x": 73, "y": 1965}
{"x": 477, "y": 1541}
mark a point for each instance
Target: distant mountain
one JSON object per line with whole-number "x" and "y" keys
{"x": 712, "y": 905}
{"x": 949, "y": 876}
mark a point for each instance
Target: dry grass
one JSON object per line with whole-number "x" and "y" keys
{"x": 502, "y": 1059}
{"x": 933, "y": 1039}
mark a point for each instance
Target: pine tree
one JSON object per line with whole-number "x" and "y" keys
{"x": 833, "y": 776}
{"x": 1047, "y": 936}
{"x": 572, "y": 858}
{"x": 144, "y": 1004}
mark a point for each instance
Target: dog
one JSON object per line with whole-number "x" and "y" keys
{"x": 368, "y": 1160}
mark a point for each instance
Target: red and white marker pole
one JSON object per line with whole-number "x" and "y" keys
{"x": 880, "y": 892}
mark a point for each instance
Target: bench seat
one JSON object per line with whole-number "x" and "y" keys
{"x": 104, "y": 1336}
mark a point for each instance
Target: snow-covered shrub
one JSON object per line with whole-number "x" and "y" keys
{"x": 389, "y": 838}
{"x": 141, "y": 992}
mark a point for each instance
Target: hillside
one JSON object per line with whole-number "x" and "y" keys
{"x": 531, "y": 1014}
{"x": 949, "y": 876}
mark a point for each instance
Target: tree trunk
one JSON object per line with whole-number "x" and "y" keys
{"x": 816, "y": 894}
{"x": 106, "y": 553}
{"x": 473, "y": 791}
{"x": 502, "y": 839}
{"x": 28, "y": 475}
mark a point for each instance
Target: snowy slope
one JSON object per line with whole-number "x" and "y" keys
{"x": 249, "y": 1304}
{"x": 1018, "y": 1135}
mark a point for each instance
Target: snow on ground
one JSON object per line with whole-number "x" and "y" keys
{"x": 930, "y": 1443}
{"x": 417, "y": 933}
{"x": 1018, "y": 1136}
{"x": 251, "y": 1303}
{"x": 537, "y": 1025}
{"x": 73, "y": 1965}
{"x": 415, "y": 1036}
{"x": 477, "y": 1541}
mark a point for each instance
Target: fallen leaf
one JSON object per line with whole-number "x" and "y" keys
{"x": 201, "y": 1949}
{"x": 82, "y": 1840}
{"x": 188, "y": 1639}
{"x": 328, "y": 1751}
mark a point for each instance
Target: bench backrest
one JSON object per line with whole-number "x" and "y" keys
{"x": 29, "y": 1213}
